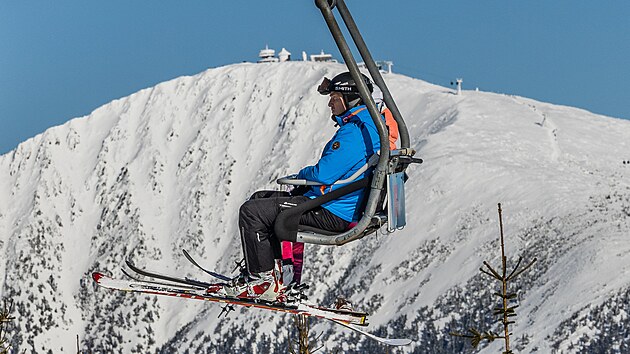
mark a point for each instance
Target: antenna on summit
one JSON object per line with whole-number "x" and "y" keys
{"x": 458, "y": 82}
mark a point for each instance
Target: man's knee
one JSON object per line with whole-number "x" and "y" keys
{"x": 245, "y": 207}
{"x": 247, "y": 211}
{"x": 257, "y": 214}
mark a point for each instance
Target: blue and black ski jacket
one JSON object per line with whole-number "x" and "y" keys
{"x": 348, "y": 150}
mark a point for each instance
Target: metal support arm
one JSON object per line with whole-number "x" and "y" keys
{"x": 380, "y": 171}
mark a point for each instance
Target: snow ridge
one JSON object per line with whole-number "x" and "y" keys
{"x": 167, "y": 168}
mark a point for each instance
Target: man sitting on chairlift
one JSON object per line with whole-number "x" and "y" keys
{"x": 355, "y": 140}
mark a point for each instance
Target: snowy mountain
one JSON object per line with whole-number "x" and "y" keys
{"x": 166, "y": 169}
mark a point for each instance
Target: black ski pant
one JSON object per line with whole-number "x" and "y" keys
{"x": 256, "y": 219}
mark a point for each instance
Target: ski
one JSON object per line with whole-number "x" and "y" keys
{"x": 185, "y": 281}
{"x": 191, "y": 291}
{"x": 216, "y": 275}
{"x": 348, "y": 319}
{"x": 394, "y": 342}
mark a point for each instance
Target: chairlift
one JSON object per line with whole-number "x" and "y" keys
{"x": 386, "y": 198}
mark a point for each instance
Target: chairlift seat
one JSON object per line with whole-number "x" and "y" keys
{"x": 288, "y": 229}
{"x": 378, "y": 220}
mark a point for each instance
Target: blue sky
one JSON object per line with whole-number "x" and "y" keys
{"x": 62, "y": 59}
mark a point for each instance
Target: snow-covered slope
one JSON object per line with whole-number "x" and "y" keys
{"x": 167, "y": 168}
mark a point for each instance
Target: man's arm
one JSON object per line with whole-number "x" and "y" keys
{"x": 344, "y": 151}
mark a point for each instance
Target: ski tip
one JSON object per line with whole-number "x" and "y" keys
{"x": 97, "y": 276}
{"x": 398, "y": 342}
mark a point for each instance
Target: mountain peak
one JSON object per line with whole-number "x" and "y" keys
{"x": 168, "y": 167}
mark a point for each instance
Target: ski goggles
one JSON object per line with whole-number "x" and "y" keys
{"x": 324, "y": 87}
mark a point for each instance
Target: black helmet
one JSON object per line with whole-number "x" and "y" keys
{"x": 345, "y": 84}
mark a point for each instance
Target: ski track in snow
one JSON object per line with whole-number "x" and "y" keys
{"x": 546, "y": 123}
{"x": 168, "y": 167}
